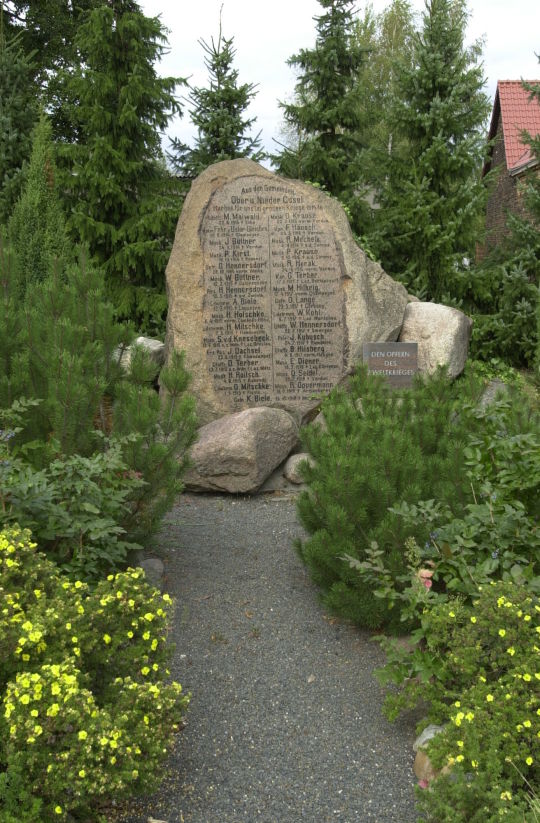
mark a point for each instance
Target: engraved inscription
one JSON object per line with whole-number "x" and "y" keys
{"x": 273, "y": 306}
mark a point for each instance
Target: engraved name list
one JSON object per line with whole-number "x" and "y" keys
{"x": 273, "y": 324}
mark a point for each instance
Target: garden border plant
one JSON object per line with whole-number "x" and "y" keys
{"x": 87, "y": 710}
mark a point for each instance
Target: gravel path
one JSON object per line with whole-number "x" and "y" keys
{"x": 285, "y": 721}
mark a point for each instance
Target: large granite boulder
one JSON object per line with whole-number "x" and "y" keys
{"x": 239, "y": 451}
{"x": 269, "y": 296}
{"x": 442, "y": 334}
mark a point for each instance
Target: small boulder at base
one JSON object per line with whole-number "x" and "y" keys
{"x": 154, "y": 348}
{"x": 442, "y": 334}
{"x": 238, "y": 452}
{"x": 291, "y": 470}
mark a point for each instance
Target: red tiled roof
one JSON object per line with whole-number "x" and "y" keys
{"x": 518, "y": 114}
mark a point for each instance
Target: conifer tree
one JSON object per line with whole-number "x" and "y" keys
{"x": 123, "y": 204}
{"x": 61, "y": 344}
{"x": 432, "y": 197}
{"x": 327, "y": 112}
{"x": 218, "y": 113}
{"x": 18, "y": 114}
{"x": 36, "y": 229}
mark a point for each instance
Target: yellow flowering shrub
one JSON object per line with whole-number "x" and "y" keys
{"x": 486, "y": 693}
{"x": 86, "y": 711}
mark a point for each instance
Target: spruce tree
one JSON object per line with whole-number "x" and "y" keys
{"x": 123, "y": 203}
{"x": 327, "y": 112}
{"x": 18, "y": 114}
{"x": 431, "y": 195}
{"x": 218, "y": 113}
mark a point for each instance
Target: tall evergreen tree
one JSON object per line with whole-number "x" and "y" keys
{"x": 18, "y": 114}
{"x": 36, "y": 229}
{"x": 432, "y": 198}
{"x": 327, "y": 112}
{"x": 218, "y": 113}
{"x": 123, "y": 204}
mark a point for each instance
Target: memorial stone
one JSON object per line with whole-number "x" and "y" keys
{"x": 269, "y": 295}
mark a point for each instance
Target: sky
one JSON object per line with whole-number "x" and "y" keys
{"x": 267, "y": 34}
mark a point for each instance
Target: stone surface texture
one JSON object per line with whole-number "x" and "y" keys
{"x": 269, "y": 295}
{"x": 291, "y": 469}
{"x": 442, "y": 334}
{"x": 155, "y": 348}
{"x": 239, "y": 451}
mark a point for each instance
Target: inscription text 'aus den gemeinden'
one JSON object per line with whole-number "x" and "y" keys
{"x": 273, "y": 323}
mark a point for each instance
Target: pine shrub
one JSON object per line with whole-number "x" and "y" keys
{"x": 379, "y": 447}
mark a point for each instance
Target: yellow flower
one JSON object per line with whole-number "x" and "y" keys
{"x": 135, "y": 774}
{"x": 149, "y": 616}
{"x": 106, "y": 639}
{"x": 34, "y": 713}
{"x": 527, "y": 678}
{"x": 473, "y": 619}
{"x": 527, "y": 724}
{"x": 58, "y": 809}
{"x": 457, "y": 704}
{"x": 78, "y": 584}
{"x": 146, "y": 636}
{"x": 130, "y": 634}
{"x": 529, "y": 761}
{"x": 83, "y": 735}
{"x": 451, "y": 614}
{"x": 502, "y": 632}
{"x": 145, "y": 670}
{"x": 474, "y": 764}
{"x": 55, "y": 688}
{"x": 460, "y": 744}
{"x": 506, "y": 795}
{"x": 489, "y": 698}
{"x": 511, "y": 651}
{"x": 459, "y": 758}
{"x": 82, "y": 773}
{"x": 146, "y": 720}
{"x": 469, "y": 716}
{"x": 25, "y": 699}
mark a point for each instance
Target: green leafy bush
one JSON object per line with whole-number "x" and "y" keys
{"x": 483, "y": 686}
{"x": 75, "y": 506}
{"x": 379, "y": 447}
{"x": 87, "y": 714}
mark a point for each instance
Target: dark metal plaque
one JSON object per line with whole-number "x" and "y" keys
{"x": 397, "y": 362}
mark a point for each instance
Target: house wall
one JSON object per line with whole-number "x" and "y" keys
{"x": 504, "y": 195}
